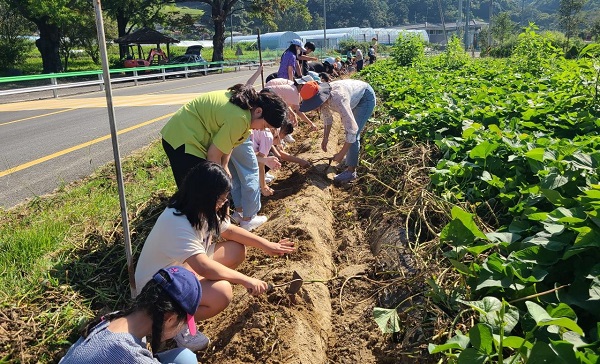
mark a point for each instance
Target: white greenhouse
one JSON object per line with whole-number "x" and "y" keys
{"x": 276, "y": 40}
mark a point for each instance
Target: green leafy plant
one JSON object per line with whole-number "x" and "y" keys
{"x": 517, "y": 156}
{"x": 455, "y": 55}
{"x": 534, "y": 52}
{"x": 408, "y": 49}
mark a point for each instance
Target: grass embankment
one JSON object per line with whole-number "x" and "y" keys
{"x": 54, "y": 249}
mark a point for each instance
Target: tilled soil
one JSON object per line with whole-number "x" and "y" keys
{"x": 327, "y": 321}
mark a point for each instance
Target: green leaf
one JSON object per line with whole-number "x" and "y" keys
{"x": 562, "y": 310}
{"x": 471, "y": 356}
{"x": 458, "y": 341}
{"x": 542, "y": 318}
{"x": 536, "y": 154}
{"x": 516, "y": 342}
{"x": 541, "y": 353}
{"x": 481, "y": 338}
{"x": 574, "y": 338}
{"x": 556, "y": 198}
{"x": 489, "y": 313}
{"x": 503, "y": 237}
{"x": 553, "y": 181}
{"x": 483, "y": 150}
{"x": 387, "y": 319}
{"x": 563, "y": 322}
{"x": 467, "y": 220}
{"x": 537, "y": 312}
{"x": 595, "y": 289}
{"x": 461, "y": 267}
{"x": 565, "y": 351}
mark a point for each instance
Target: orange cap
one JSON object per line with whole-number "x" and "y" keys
{"x": 309, "y": 90}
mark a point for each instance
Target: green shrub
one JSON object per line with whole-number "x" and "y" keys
{"x": 408, "y": 49}
{"x": 455, "y": 56}
{"x": 504, "y": 50}
{"x": 345, "y": 45}
{"x": 534, "y": 52}
{"x": 14, "y": 52}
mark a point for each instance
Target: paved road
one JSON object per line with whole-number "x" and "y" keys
{"x": 47, "y": 143}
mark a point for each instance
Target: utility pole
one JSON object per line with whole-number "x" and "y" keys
{"x": 324, "y": 27}
{"x": 490, "y": 24}
{"x": 467, "y": 21}
{"x": 460, "y": 18}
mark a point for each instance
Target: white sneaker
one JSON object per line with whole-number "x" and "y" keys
{"x": 269, "y": 177}
{"x": 253, "y": 223}
{"x": 194, "y": 343}
{"x": 237, "y": 217}
{"x": 289, "y": 138}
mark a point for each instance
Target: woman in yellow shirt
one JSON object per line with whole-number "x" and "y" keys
{"x": 211, "y": 125}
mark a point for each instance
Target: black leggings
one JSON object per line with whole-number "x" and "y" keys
{"x": 181, "y": 162}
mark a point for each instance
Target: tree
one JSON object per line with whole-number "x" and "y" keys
{"x": 14, "y": 47}
{"x": 79, "y": 32}
{"x": 48, "y": 16}
{"x": 294, "y": 18}
{"x": 502, "y": 27}
{"x": 595, "y": 31}
{"x": 134, "y": 13}
{"x": 568, "y": 17}
{"x": 220, "y": 10}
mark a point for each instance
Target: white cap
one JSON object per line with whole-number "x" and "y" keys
{"x": 298, "y": 42}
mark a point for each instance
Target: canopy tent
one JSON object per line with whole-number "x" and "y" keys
{"x": 146, "y": 36}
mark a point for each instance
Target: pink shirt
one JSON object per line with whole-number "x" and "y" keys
{"x": 284, "y": 89}
{"x": 262, "y": 141}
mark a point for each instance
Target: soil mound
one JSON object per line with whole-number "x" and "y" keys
{"x": 330, "y": 320}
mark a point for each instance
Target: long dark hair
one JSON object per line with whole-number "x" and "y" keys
{"x": 273, "y": 106}
{"x": 292, "y": 48}
{"x": 197, "y": 197}
{"x": 153, "y": 300}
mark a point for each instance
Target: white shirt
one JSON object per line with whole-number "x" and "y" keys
{"x": 345, "y": 96}
{"x": 171, "y": 242}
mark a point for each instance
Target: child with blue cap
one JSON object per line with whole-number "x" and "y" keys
{"x": 164, "y": 306}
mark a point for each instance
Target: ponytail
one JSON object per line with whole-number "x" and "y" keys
{"x": 158, "y": 318}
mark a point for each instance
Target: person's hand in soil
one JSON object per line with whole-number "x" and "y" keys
{"x": 338, "y": 157}
{"x": 255, "y": 286}
{"x": 304, "y": 163}
{"x": 272, "y": 162}
{"x": 284, "y": 246}
{"x": 266, "y": 191}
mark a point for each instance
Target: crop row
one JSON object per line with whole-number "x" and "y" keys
{"x": 518, "y": 151}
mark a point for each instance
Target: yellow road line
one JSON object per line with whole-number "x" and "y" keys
{"x": 35, "y": 117}
{"x": 77, "y": 147}
{"x": 100, "y": 102}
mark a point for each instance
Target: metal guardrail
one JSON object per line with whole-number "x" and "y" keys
{"x": 135, "y": 74}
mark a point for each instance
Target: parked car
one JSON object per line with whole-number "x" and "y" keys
{"x": 186, "y": 58}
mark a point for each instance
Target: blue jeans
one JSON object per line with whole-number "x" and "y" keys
{"x": 361, "y": 113}
{"x": 245, "y": 189}
{"x": 177, "y": 356}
